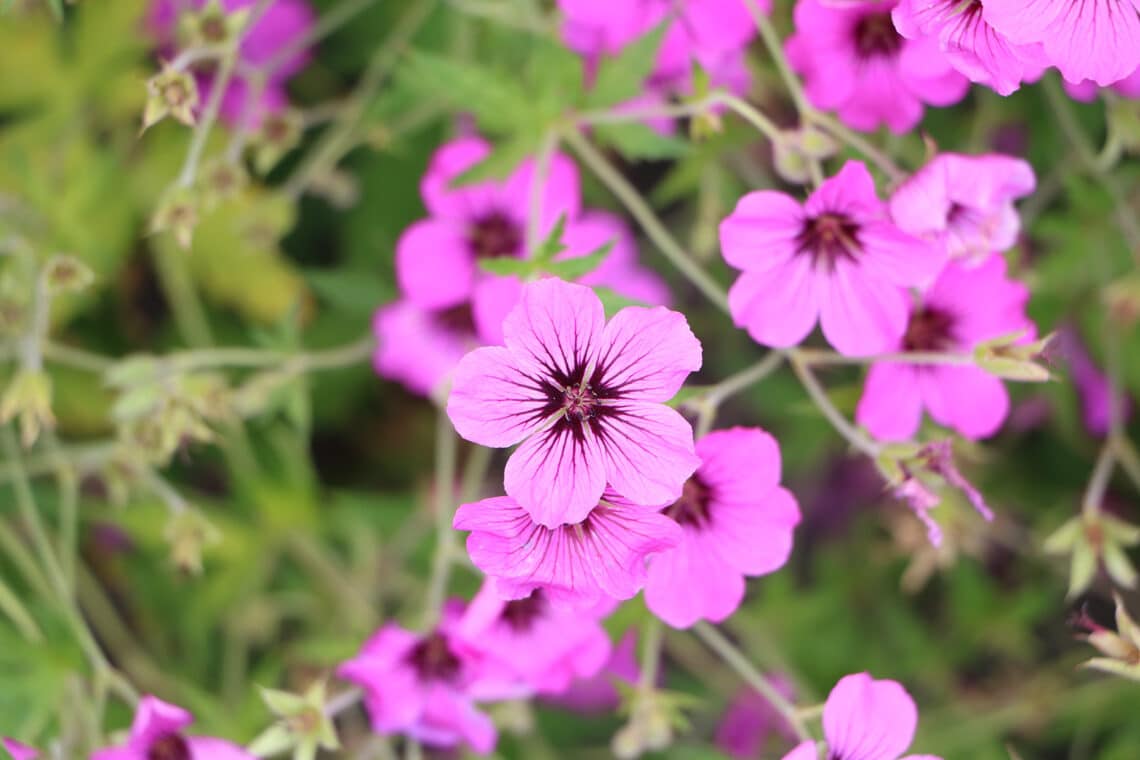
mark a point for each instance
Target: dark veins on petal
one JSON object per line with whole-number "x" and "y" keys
{"x": 876, "y": 36}
{"x": 520, "y": 614}
{"x": 169, "y": 747}
{"x": 692, "y": 509}
{"x": 829, "y": 237}
{"x": 433, "y": 659}
{"x": 929, "y": 329}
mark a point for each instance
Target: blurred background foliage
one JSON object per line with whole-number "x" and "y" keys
{"x": 320, "y": 500}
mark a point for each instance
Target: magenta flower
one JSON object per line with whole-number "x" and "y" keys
{"x": 963, "y": 307}
{"x": 1092, "y": 385}
{"x": 837, "y": 258}
{"x": 865, "y": 719}
{"x": 1097, "y": 40}
{"x": 283, "y": 25}
{"x": 854, "y": 61}
{"x": 585, "y": 398}
{"x": 736, "y": 520}
{"x": 750, "y": 721}
{"x": 600, "y": 558}
{"x": 423, "y": 686}
{"x": 599, "y": 694}
{"x": 157, "y": 732}
{"x": 970, "y": 44}
{"x": 19, "y": 751}
{"x": 530, "y": 645}
{"x": 965, "y": 203}
{"x": 419, "y": 348}
{"x": 1087, "y": 90}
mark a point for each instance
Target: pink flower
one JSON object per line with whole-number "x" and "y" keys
{"x": 736, "y": 520}
{"x": 418, "y": 347}
{"x": 963, "y": 307}
{"x": 854, "y": 61}
{"x": 971, "y": 45}
{"x": 965, "y": 203}
{"x": 1087, "y": 90}
{"x": 157, "y": 731}
{"x": 284, "y": 23}
{"x": 1092, "y": 385}
{"x": 1098, "y": 39}
{"x": 749, "y": 721}
{"x": 598, "y": 559}
{"x": 599, "y": 694}
{"x": 422, "y": 685}
{"x": 531, "y": 645}
{"x": 714, "y": 33}
{"x": 19, "y": 751}
{"x": 865, "y": 719}
{"x": 836, "y": 258}
{"x": 585, "y": 398}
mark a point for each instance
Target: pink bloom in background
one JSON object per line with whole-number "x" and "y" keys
{"x": 157, "y": 732}
{"x": 964, "y": 306}
{"x": 531, "y": 645}
{"x": 750, "y": 721}
{"x": 714, "y": 33}
{"x": 596, "y": 560}
{"x": 600, "y": 694}
{"x": 19, "y": 751}
{"x": 736, "y": 520}
{"x": 1092, "y": 385}
{"x": 450, "y": 306}
{"x": 584, "y": 398}
{"x": 865, "y": 719}
{"x": 853, "y": 61}
{"x": 965, "y": 203}
{"x": 423, "y": 685}
{"x": 1087, "y": 90}
{"x": 1097, "y": 39}
{"x": 282, "y": 25}
{"x": 837, "y": 258}
{"x": 971, "y": 45}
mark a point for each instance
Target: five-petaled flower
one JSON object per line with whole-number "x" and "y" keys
{"x": 586, "y": 400}
{"x": 157, "y": 733}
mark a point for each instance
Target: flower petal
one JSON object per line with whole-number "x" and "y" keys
{"x": 434, "y": 267}
{"x": 646, "y": 354}
{"x": 967, "y": 399}
{"x": 558, "y": 474}
{"x": 861, "y": 314}
{"x": 865, "y": 719}
{"x": 761, "y": 231}
{"x": 648, "y": 451}
{"x": 753, "y": 537}
{"x": 891, "y": 404}
{"x": 688, "y": 583}
{"x": 555, "y": 329}
{"x": 560, "y": 194}
{"x": 492, "y": 401}
{"x": 209, "y": 748}
{"x": 466, "y": 203}
{"x": 778, "y": 306}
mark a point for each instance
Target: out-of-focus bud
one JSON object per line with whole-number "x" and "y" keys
{"x": 338, "y": 187}
{"x": 170, "y": 92}
{"x": 815, "y": 143}
{"x": 653, "y": 717}
{"x": 162, "y": 416}
{"x": 220, "y": 181}
{"x": 1124, "y": 123}
{"x": 789, "y": 160}
{"x": 1120, "y": 647}
{"x": 1010, "y": 360}
{"x": 189, "y": 533}
{"x": 178, "y": 215}
{"x": 211, "y": 26}
{"x": 279, "y": 134}
{"x": 303, "y": 724}
{"x": 1090, "y": 540}
{"x": 66, "y": 274}
{"x": 513, "y": 716}
{"x": 28, "y": 399}
{"x": 1122, "y": 297}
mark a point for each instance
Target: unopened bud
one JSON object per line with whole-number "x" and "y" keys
{"x": 1006, "y": 358}
{"x": 1091, "y": 540}
{"x": 178, "y": 215}
{"x": 303, "y": 723}
{"x": 66, "y": 274}
{"x": 789, "y": 160}
{"x": 189, "y": 533}
{"x": 220, "y": 181}
{"x": 211, "y": 26}
{"x": 1120, "y": 647}
{"x": 170, "y": 93}
{"x": 279, "y": 133}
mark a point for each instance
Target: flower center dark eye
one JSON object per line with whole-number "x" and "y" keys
{"x": 929, "y": 329}
{"x": 458, "y": 319}
{"x": 876, "y": 36}
{"x": 828, "y": 238}
{"x": 433, "y": 659}
{"x": 579, "y": 403}
{"x": 693, "y": 507}
{"x": 169, "y": 747}
{"x": 520, "y": 614}
{"x": 494, "y": 235}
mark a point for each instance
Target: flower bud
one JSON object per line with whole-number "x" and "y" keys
{"x": 177, "y": 214}
{"x": 28, "y": 398}
{"x": 1008, "y": 359}
{"x": 279, "y": 134}
{"x": 66, "y": 274}
{"x": 1122, "y": 297}
{"x": 1120, "y": 647}
{"x": 303, "y": 723}
{"x": 189, "y": 533}
{"x": 220, "y": 181}
{"x": 789, "y": 160}
{"x": 1091, "y": 540}
{"x": 211, "y": 26}
{"x": 170, "y": 93}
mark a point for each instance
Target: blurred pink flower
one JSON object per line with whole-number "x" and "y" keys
{"x": 964, "y": 306}
{"x": 157, "y": 732}
{"x": 531, "y": 645}
{"x": 283, "y": 24}
{"x": 749, "y": 721}
{"x": 418, "y": 347}
{"x": 599, "y": 694}
{"x": 865, "y": 719}
{"x": 736, "y": 520}
{"x": 1092, "y": 385}
{"x": 854, "y": 61}
{"x": 579, "y": 565}
{"x": 1087, "y": 90}
{"x": 1097, "y": 40}
{"x": 584, "y": 398}
{"x": 19, "y": 751}
{"x": 965, "y": 203}
{"x": 423, "y": 685}
{"x": 837, "y": 258}
{"x": 971, "y": 45}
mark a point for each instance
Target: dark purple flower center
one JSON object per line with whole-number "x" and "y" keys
{"x": 579, "y": 403}
{"x": 829, "y": 237}
{"x": 692, "y": 508}
{"x": 458, "y": 319}
{"x": 876, "y": 36}
{"x": 433, "y": 659}
{"x": 494, "y": 235}
{"x": 929, "y": 329}
{"x": 168, "y": 747}
{"x": 520, "y": 614}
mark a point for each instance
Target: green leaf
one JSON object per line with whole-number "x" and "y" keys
{"x": 499, "y": 103}
{"x": 635, "y": 140}
{"x": 553, "y": 244}
{"x": 507, "y": 265}
{"x": 621, "y": 77}
{"x": 579, "y": 266}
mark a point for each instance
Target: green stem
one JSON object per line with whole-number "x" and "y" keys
{"x": 178, "y": 287}
{"x": 819, "y": 357}
{"x": 11, "y": 605}
{"x": 837, "y": 420}
{"x": 1098, "y": 483}
{"x": 445, "y": 454}
{"x": 653, "y": 637}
